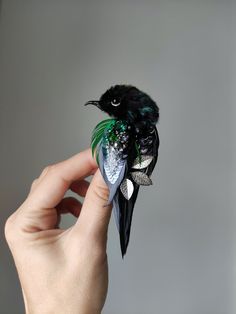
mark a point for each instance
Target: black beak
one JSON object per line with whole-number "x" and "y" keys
{"x": 94, "y": 103}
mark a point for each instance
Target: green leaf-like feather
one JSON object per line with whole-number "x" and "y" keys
{"x": 98, "y": 133}
{"x": 137, "y": 151}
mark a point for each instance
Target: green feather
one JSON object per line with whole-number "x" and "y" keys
{"x": 137, "y": 148}
{"x": 98, "y": 133}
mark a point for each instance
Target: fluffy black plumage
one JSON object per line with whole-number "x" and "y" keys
{"x": 127, "y": 149}
{"x": 134, "y": 106}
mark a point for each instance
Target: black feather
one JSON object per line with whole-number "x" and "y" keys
{"x": 126, "y": 207}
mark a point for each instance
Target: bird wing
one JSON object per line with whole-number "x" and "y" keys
{"x": 137, "y": 173}
{"x": 124, "y": 176}
{"x": 112, "y": 167}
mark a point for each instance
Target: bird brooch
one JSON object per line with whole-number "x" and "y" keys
{"x": 126, "y": 149}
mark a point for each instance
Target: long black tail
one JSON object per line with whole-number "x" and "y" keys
{"x": 124, "y": 209}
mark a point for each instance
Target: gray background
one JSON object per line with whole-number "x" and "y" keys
{"x": 56, "y": 55}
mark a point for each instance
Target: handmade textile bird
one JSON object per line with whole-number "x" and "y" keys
{"x": 126, "y": 149}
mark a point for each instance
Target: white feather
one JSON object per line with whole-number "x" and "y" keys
{"x": 113, "y": 165}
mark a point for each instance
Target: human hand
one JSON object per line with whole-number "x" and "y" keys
{"x": 62, "y": 271}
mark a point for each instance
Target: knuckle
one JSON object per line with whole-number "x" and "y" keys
{"x": 45, "y": 170}
{"x": 101, "y": 192}
{"x": 48, "y": 169}
{"x": 9, "y": 228}
{"x": 34, "y": 183}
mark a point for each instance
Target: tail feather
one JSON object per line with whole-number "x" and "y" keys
{"x": 123, "y": 210}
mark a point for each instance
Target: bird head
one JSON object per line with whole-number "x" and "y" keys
{"x": 127, "y": 102}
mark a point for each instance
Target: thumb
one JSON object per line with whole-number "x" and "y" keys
{"x": 96, "y": 212}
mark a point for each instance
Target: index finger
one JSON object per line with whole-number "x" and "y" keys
{"x": 59, "y": 177}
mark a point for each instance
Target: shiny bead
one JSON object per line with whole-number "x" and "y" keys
{"x": 143, "y": 150}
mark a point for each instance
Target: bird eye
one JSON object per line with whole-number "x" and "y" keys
{"x": 115, "y": 103}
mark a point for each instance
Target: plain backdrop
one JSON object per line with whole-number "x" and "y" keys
{"x": 56, "y": 55}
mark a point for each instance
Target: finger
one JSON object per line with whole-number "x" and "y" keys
{"x": 33, "y": 185}
{"x": 58, "y": 178}
{"x": 69, "y": 205}
{"x": 39, "y": 179}
{"x": 96, "y": 212}
{"x": 38, "y": 211}
{"x": 80, "y": 187}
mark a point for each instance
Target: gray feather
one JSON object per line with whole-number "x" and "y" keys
{"x": 119, "y": 174}
{"x": 141, "y": 178}
{"x": 144, "y": 162}
{"x": 116, "y": 211}
{"x": 113, "y": 164}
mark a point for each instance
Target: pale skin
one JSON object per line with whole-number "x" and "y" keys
{"x": 62, "y": 271}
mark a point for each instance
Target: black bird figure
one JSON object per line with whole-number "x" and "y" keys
{"x": 126, "y": 149}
